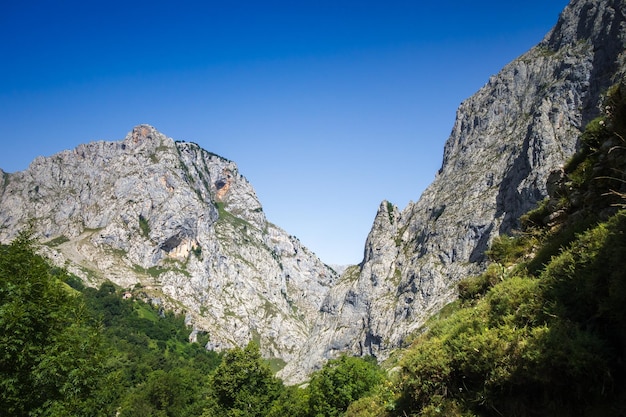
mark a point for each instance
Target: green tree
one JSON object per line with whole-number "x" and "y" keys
{"x": 49, "y": 355}
{"x": 293, "y": 402}
{"x": 340, "y": 382}
{"x": 243, "y": 385}
{"x": 172, "y": 394}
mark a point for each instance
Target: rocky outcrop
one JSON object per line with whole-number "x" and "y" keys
{"x": 506, "y": 139}
{"x": 178, "y": 222}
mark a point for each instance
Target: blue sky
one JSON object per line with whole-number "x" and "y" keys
{"x": 327, "y": 107}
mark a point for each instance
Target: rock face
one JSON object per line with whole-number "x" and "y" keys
{"x": 507, "y": 138}
{"x": 182, "y": 223}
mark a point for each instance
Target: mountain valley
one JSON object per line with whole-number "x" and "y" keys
{"x": 183, "y": 226}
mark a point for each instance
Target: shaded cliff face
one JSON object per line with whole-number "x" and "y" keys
{"x": 181, "y": 222}
{"x": 506, "y": 139}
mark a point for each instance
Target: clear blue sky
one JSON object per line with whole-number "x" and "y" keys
{"x": 327, "y": 107}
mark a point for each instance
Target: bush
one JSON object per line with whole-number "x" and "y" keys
{"x": 473, "y": 288}
{"x": 340, "y": 382}
{"x": 507, "y": 250}
{"x": 243, "y": 385}
{"x": 144, "y": 226}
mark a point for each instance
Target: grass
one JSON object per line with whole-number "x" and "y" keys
{"x": 276, "y": 364}
{"x": 227, "y": 216}
{"x": 59, "y": 240}
{"x": 145, "y": 312}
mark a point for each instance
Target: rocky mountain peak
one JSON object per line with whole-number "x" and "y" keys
{"x": 177, "y": 223}
{"x": 144, "y": 136}
{"x": 587, "y": 21}
{"x": 381, "y": 242}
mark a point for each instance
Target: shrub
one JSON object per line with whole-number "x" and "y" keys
{"x": 473, "y": 288}
{"x": 340, "y": 382}
{"x": 507, "y": 250}
{"x": 144, "y": 226}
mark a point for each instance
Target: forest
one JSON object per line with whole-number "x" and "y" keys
{"x": 541, "y": 332}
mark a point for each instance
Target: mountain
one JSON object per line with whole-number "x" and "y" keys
{"x": 177, "y": 223}
{"x": 184, "y": 228}
{"x": 506, "y": 142}
{"x": 541, "y": 331}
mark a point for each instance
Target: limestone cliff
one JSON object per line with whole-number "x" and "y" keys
{"x": 177, "y": 223}
{"x": 506, "y": 139}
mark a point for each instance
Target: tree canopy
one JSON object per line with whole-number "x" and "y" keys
{"x": 50, "y": 356}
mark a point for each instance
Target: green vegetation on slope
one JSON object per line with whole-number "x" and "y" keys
{"x": 50, "y": 356}
{"x": 551, "y": 344}
{"x": 70, "y": 350}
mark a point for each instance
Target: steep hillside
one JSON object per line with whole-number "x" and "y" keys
{"x": 506, "y": 140}
{"x": 179, "y": 221}
{"x": 543, "y": 330}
